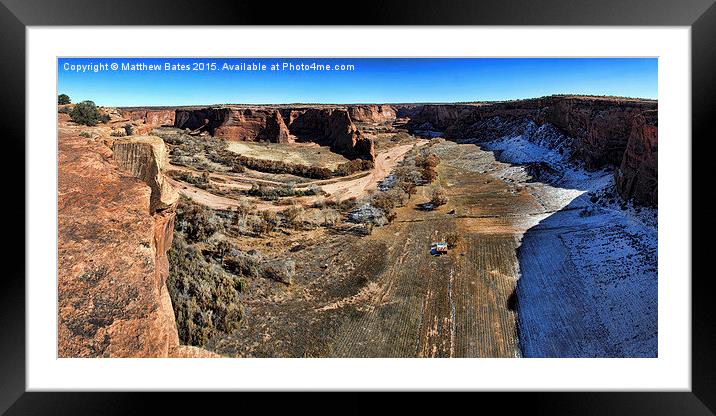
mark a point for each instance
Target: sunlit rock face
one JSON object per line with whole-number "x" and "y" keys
{"x": 115, "y": 226}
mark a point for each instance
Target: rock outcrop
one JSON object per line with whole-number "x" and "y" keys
{"x": 334, "y": 128}
{"x": 239, "y": 124}
{"x": 275, "y": 130}
{"x": 113, "y": 236}
{"x": 155, "y": 118}
{"x": 145, "y": 157}
{"x": 372, "y": 113}
{"x": 636, "y": 177}
{"x": 438, "y": 117}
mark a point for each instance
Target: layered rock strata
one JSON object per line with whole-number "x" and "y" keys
{"x": 115, "y": 225}
{"x": 607, "y": 131}
{"x": 372, "y": 113}
{"x": 327, "y": 126}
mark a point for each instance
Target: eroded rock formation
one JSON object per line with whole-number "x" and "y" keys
{"x": 275, "y": 130}
{"x": 145, "y": 157}
{"x": 334, "y": 128}
{"x": 637, "y": 174}
{"x": 372, "y": 113}
{"x": 155, "y": 118}
{"x": 113, "y": 236}
{"x": 327, "y": 126}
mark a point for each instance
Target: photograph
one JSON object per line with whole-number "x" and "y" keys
{"x": 357, "y": 207}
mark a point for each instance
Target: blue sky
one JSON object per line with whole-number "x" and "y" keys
{"x": 373, "y": 80}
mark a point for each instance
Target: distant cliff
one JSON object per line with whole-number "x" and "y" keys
{"x": 327, "y": 126}
{"x": 607, "y": 131}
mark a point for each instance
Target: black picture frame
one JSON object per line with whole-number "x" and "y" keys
{"x": 15, "y": 15}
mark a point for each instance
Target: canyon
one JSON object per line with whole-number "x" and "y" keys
{"x": 607, "y": 131}
{"x": 117, "y": 210}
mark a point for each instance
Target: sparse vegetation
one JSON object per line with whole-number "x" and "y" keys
{"x": 280, "y": 270}
{"x": 195, "y": 221}
{"x": 273, "y": 193}
{"x": 85, "y": 134}
{"x": 293, "y": 216}
{"x": 204, "y": 297}
{"x": 354, "y": 166}
{"x": 428, "y": 163}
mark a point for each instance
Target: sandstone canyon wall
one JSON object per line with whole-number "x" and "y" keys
{"x": 372, "y": 113}
{"x": 156, "y": 118}
{"x": 637, "y": 174}
{"x": 334, "y": 128}
{"x": 607, "y": 131}
{"x": 327, "y": 126}
{"x": 115, "y": 225}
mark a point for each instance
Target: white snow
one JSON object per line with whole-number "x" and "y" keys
{"x": 588, "y": 285}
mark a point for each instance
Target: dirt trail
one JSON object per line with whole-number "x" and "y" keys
{"x": 215, "y": 201}
{"x": 384, "y": 163}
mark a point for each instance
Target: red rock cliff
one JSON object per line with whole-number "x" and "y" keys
{"x": 113, "y": 235}
{"x": 372, "y": 113}
{"x": 334, "y": 128}
{"x": 637, "y": 174}
{"x": 607, "y": 131}
{"x": 327, "y": 126}
{"x": 155, "y": 118}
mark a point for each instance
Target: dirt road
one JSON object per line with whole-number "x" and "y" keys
{"x": 384, "y": 163}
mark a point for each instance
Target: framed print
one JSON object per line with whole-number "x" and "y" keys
{"x": 435, "y": 199}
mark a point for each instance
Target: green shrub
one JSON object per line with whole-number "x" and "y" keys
{"x": 85, "y": 134}
{"x": 63, "y": 99}
{"x": 85, "y": 113}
